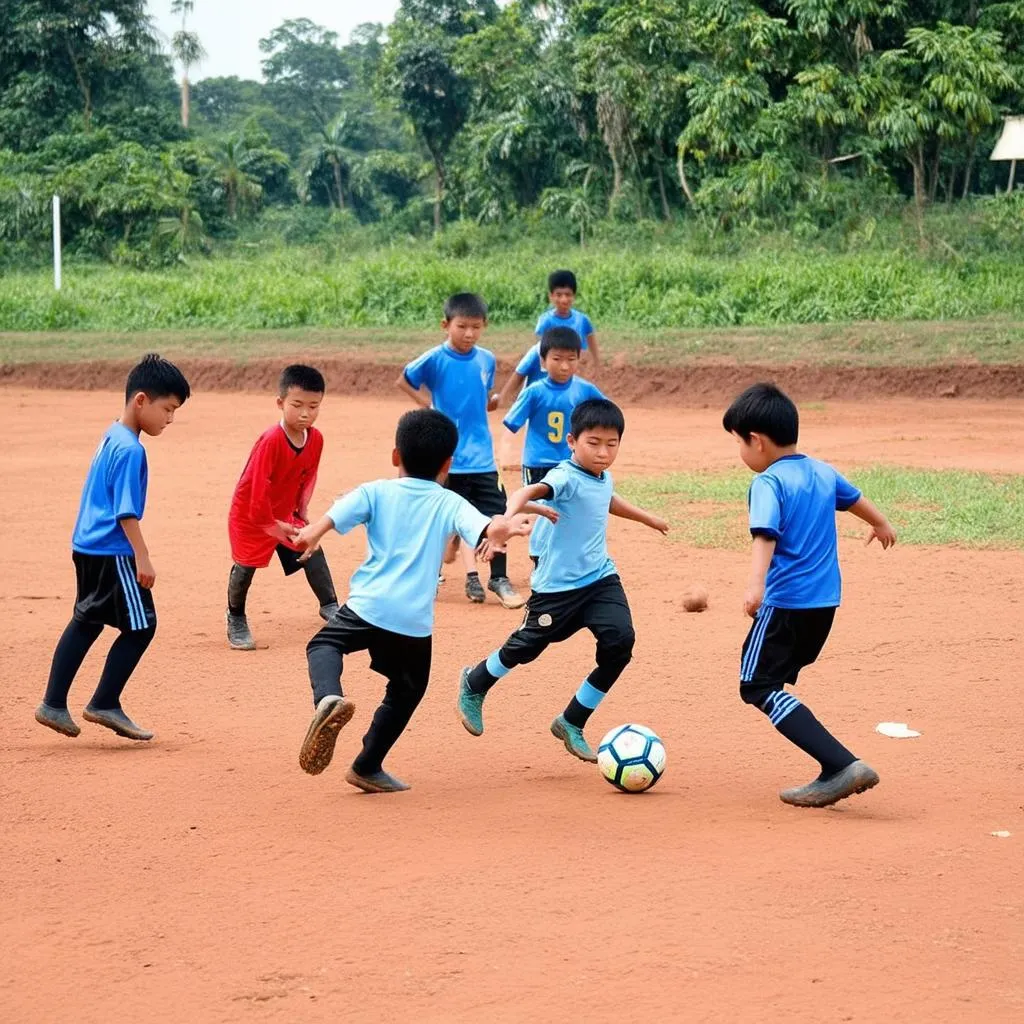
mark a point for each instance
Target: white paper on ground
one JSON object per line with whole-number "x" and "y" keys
{"x": 1002, "y": 834}
{"x": 897, "y": 730}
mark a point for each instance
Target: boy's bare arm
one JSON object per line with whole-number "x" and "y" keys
{"x": 761, "y": 558}
{"x": 593, "y": 349}
{"x": 624, "y": 510}
{"x": 881, "y": 528}
{"x": 511, "y": 390}
{"x": 144, "y": 571}
{"x": 309, "y": 537}
{"x": 420, "y": 396}
{"x": 521, "y": 498}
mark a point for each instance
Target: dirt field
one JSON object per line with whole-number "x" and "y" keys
{"x": 205, "y": 878}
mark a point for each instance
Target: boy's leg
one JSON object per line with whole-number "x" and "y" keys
{"x": 239, "y": 581}
{"x": 405, "y": 662}
{"x": 490, "y": 498}
{"x": 462, "y": 485}
{"x": 474, "y": 588}
{"x": 318, "y": 576}
{"x": 344, "y": 634}
{"x": 74, "y": 644}
{"x": 606, "y": 614}
{"x": 780, "y": 643}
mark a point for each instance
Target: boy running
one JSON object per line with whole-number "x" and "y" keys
{"x": 271, "y": 501}
{"x": 390, "y": 607}
{"x": 546, "y": 408}
{"x": 112, "y": 564}
{"x": 459, "y": 379}
{"x": 795, "y": 585}
{"x": 575, "y": 585}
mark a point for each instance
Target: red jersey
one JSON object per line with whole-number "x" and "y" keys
{"x": 276, "y": 484}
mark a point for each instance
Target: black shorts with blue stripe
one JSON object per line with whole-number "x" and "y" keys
{"x": 109, "y": 593}
{"x": 781, "y": 642}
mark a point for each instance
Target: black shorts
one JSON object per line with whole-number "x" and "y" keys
{"x": 109, "y": 593}
{"x": 289, "y": 559}
{"x": 780, "y": 643}
{"x": 600, "y": 607}
{"x": 482, "y": 490}
{"x": 535, "y": 474}
{"x": 395, "y": 656}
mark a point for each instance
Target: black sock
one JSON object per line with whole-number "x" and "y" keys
{"x": 576, "y": 714}
{"x": 499, "y": 566}
{"x": 796, "y": 722}
{"x": 71, "y": 650}
{"x": 125, "y": 654}
{"x": 326, "y": 663}
{"x": 239, "y": 581}
{"x": 318, "y": 575}
{"x": 481, "y": 678}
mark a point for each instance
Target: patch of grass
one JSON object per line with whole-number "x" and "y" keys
{"x": 929, "y": 507}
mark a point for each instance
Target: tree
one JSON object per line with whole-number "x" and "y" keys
{"x": 332, "y": 148}
{"x": 188, "y": 51}
{"x": 240, "y": 189}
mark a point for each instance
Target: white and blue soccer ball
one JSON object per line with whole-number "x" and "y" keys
{"x": 631, "y": 758}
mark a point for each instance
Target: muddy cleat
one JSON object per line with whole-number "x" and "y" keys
{"x": 471, "y": 706}
{"x": 378, "y": 782}
{"x": 332, "y": 714}
{"x": 506, "y": 593}
{"x": 117, "y": 721}
{"x": 855, "y": 778}
{"x": 475, "y": 589}
{"x": 328, "y": 611}
{"x": 239, "y": 636}
{"x": 573, "y": 738}
{"x": 57, "y": 719}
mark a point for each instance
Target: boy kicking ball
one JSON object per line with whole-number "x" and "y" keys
{"x": 795, "y": 586}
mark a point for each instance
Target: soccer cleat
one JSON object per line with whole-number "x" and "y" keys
{"x": 507, "y": 594}
{"x": 239, "y": 635}
{"x": 328, "y": 611}
{"x": 855, "y": 778}
{"x": 573, "y": 738}
{"x": 471, "y": 706}
{"x": 332, "y": 714}
{"x": 378, "y": 782}
{"x": 57, "y": 719}
{"x": 475, "y": 589}
{"x": 117, "y": 721}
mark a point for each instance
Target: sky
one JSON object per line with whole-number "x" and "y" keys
{"x": 230, "y": 33}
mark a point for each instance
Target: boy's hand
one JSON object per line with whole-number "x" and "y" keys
{"x": 144, "y": 572}
{"x": 884, "y": 534}
{"x": 753, "y": 598}
{"x": 492, "y": 401}
{"x": 659, "y": 524}
{"x": 487, "y": 550}
{"x": 283, "y": 531}
{"x": 550, "y": 514}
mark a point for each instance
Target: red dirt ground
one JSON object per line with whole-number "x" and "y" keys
{"x": 205, "y": 878}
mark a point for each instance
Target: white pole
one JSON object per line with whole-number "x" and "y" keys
{"x": 56, "y": 243}
{"x": 1013, "y": 173}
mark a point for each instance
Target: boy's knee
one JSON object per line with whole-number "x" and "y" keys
{"x": 617, "y": 645}
{"x": 755, "y": 693}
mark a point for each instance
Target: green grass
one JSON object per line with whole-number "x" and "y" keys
{"x": 647, "y": 284}
{"x": 929, "y": 507}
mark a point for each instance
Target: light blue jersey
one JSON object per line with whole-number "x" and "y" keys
{"x": 794, "y": 501}
{"x": 460, "y": 386}
{"x": 530, "y": 366}
{"x": 574, "y": 551}
{"x": 547, "y": 409}
{"x": 408, "y": 522}
{"x": 115, "y": 489}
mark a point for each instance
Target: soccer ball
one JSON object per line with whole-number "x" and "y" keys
{"x": 631, "y": 758}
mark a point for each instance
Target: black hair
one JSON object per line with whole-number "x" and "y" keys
{"x": 565, "y": 339}
{"x": 561, "y": 279}
{"x": 594, "y": 413}
{"x": 156, "y": 378}
{"x": 764, "y": 409}
{"x": 425, "y": 440}
{"x": 465, "y": 304}
{"x": 305, "y": 378}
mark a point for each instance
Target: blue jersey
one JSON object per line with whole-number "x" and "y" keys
{"x": 408, "y": 522}
{"x": 547, "y": 408}
{"x": 794, "y": 501}
{"x": 530, "y": 365}
{"x": 460, "y": 386}
{"x": 115, "y": 489}
{"x": 574, "y": 551}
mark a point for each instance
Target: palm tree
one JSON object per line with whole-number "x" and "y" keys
{"x": 331, "y": 149}
{"x": 188, "y": 51}
{"x": 239, "y": 188}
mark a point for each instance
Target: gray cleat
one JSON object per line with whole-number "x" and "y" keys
{"x": 117, "y": 721}
{"x": 239, "y": 635}
{"x": 332, "y": 714}
{"x": 506, "y": 593}
{"x": 57, "y": 719}
{"x": 855, "y": 778}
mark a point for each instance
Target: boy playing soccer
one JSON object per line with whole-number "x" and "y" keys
{"x": 561, "y": 313}
{"x": 575, "y": 585}
{"x": 546, "y": 407}
{"x": 795, "y": 585}
{"x": 271, "y": 501}
{"x": 390, "y": 607}
{"x": 459, "y": 378}
{"x": 112, "y": 564}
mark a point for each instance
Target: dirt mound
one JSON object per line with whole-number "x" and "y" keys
{"x": 645, "y": 385}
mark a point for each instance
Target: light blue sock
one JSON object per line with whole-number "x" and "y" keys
{"x": 495, "y": 666}
{"x": 589, "y": 695}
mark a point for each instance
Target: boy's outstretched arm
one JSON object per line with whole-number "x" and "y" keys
{"x": 592, "y": 348}
{"x": 309, "y": 537}
{"x": 624, "y": 510}
{"x": 761, "y": 558}
{"x": 418, "y": 395}
{"x": 511, "y": 390}
{"x": 144, "y": 571}
{"x": 881, "y": 528}
{"x": 524, "y": 496}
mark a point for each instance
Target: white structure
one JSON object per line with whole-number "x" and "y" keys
{"x": 1010, "y": 146}
{"x": 56, "y": 243}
